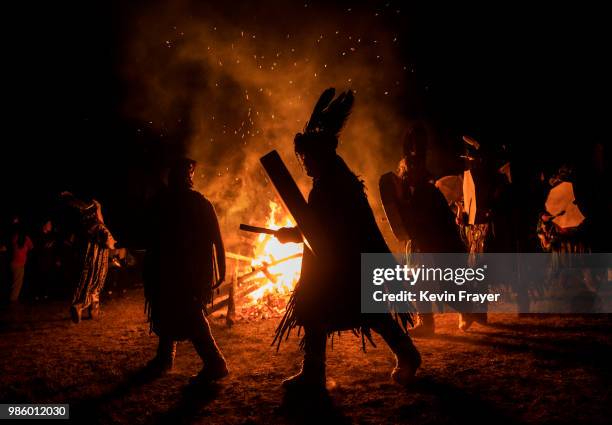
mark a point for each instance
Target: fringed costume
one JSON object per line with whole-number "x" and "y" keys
{"x": 327, "y": 297}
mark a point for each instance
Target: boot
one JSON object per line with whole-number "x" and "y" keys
{"x": 215, "y": 366}
{"x": 76, "y": 313}
{"x": 426, "y": 327}
{"x": 212, "y": 371}
{"x": 407, "y": 357}
{"x": 407, "y": 361}
{"x": 467, "y": 319}
{"x": 94, "y": 310}
{"x": 163, "y": 362}
{"x": 310, "y": 377}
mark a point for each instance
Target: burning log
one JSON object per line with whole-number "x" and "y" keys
{"x": 239, "y": 257}
{"x": 264, "y": 289}
{"x": 235, "y": 294}
{"x": 246, "y": 277}
{"x": 231, "y": 306}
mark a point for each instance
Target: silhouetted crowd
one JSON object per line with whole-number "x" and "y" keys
{"x": 48, "y": 258}
{"x": 498, "y": 204}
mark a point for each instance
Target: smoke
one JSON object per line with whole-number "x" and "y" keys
{"x": 227, "y": 83}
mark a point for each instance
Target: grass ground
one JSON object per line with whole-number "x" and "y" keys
{"x": 545, "y": 369}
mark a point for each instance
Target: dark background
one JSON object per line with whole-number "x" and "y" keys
{"x": 531, "y": 75}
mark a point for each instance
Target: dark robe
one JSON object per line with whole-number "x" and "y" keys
{"x": 429, "y": 220}
{"x": 328, "y": 292}
{"x": 494, "y": 229}
{"x": 179, "y": 263}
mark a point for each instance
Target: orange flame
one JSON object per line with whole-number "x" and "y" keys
{"x": 268, "y": 250}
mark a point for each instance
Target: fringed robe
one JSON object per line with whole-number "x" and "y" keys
{"x": 328, "y": 292}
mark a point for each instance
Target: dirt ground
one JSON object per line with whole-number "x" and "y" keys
{"x": 545, "y": 369}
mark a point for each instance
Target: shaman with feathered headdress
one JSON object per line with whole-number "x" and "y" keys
{"x": 327, "y": 298}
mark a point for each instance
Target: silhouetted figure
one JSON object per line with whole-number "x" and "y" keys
{"x": 327, "y": 296}
{"x": 561, "y": 226}
{"x": 185, "y": 261}
{"x": 577, "y": 209}
{"x": 487, "y": 200}
{"x": 20, "y": 246}
{"x": 425, "y": 213}
{"x": 94, "y": 241}
{"x": 487, "y": 221}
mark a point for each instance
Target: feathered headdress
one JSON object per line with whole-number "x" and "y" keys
{"x": 326, "y": 121}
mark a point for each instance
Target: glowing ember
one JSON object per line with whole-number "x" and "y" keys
{"x": 282, "y": 277}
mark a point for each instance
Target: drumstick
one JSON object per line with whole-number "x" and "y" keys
{"x": 257, "y": 229}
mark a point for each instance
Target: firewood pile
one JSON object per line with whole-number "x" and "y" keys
{"x": 234, "y": 300}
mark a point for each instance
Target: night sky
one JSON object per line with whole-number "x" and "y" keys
{"x": 102, "y": 95}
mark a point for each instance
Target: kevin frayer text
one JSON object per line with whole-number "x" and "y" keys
{"x": 430, "y": 296}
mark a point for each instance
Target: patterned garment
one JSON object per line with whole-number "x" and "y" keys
{"x": 557, "y": 240}
{"x": 94, "y": 267}
{"x": 476, "y": 237}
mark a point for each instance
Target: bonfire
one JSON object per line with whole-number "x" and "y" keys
{"x": 263, "y": 283}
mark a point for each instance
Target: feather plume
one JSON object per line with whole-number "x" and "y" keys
{"x": 315, "y": 121}
{"x": 338, "y": 112}
{"x": 329, "y": 115}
